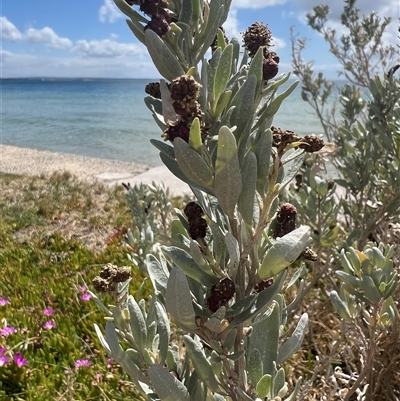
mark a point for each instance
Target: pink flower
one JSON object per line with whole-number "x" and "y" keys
{"x": 50, "y": 324}
{"x": 4, "y": 360}
{"x": 86, "y": 297}
{"x": 82, "y": 363}
{"x": 82, "y": 288}
{"x": 48, "y": 312}
{"x": 4, "y": 301}
{"x": 7, "y": 331}
{"x": 2, "y": 351}
{"x": 20, "y": 360}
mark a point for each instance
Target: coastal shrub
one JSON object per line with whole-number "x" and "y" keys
{"x": 222, "y": 270}
{"x": 354, "y": 204}
{"x": 235, "y": 276}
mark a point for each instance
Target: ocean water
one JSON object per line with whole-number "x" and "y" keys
{"x": 104, "y": 118}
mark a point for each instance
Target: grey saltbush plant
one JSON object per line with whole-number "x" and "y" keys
{"x": 222, "y": 272}
{"x": 364, "y": 123}
{"x": 151, "y": 211}
{"x": 347, "y": 212}
{"x": 224, "y": 266}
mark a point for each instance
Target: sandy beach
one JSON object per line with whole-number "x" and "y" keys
{"x": 24, "y": 161}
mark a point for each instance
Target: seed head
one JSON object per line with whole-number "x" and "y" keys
{"x": 153, "y": 7}
{"x": 193, "y": 211}
{"x": 181, "y": 130}
{"x": 285, "y": 220}
{"x": 188, "y": 109}
{"x": 102, "y": 285}
{"x": 312, "y": 143}
{"x": 263, "y": 285}
{"x": 184, "y": 88}
{"x": 270, "y": 69}
{"x": 256, "y": 35}
{"x": 109, "y": 276}
{"x": 272, "y": 56}
{"x": 308, "y": 254}
{"x": 220, "y": 294}
{"x": 153, "y": 89}
{"x": 283, "y": 138}
{"x": 197, "y": 225}
{"x": 159, "y": 24}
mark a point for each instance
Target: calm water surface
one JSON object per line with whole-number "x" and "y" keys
{"x": 104, "y": 118}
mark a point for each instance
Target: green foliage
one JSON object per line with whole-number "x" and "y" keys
{"x": 47, "y": 271}
{"x": 355, "y": 204}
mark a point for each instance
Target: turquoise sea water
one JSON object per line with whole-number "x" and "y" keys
{"x": 104, "y": 118}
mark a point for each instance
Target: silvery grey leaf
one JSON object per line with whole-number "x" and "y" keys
{"x": 102, "y": 339}
{"x": 178, "y": 300}
{"x": 257, "y": 303}
{"x": 192, "y": 164}
{"x": 274, "y": 106}
{"x": 173, "y": 166}
{"x": 266, "y": 331}
{"x": 200, "y": 363}
{"x": 254, "y": 366}
{"x": 137, "y": 29}
{"x": 158, "y": 275}
{"x": 137, "y": 323}
{"x": 293, "y": 344}
{"x": 168, "y": 111}
{"x": 113, "y": 343}
{"x": 249, "y": 179}
{"x": 228, "y": 180}
{"x": 293, "y": 170}
{"x": 244, "y": 102}
{"x": 233, "y": 250}
{"x": 205, "y": 40}
{"x": 167, "y": 387}
{"x": 284, "y": 251}
{"x": 279, "y": 382}
{"x": 184, "y": 261}
{"x": 223, "y": 72}
{"x": 163, "y": 58}
{"x": 164, "y": 331}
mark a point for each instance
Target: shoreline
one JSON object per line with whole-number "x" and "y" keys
{"x": 33, "y": 162}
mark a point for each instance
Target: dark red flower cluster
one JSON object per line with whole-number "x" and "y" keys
{"x": 157, "y": 10}
{"x": 285, "y": 220}
{"x": 281, "y": 138}
{"x": 258, "y": 35}
{"x": 220, "y": 294}
{"x": 197, "y": 225}
{"x": 184, "y": 93}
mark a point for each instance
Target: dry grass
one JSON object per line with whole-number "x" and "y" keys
{"x": 41, "y": 206}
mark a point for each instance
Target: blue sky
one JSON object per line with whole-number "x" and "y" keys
{"x": 89, "y": 38}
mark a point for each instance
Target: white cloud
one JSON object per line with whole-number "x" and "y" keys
{"x": 48, "y": 37}
{"x": 106, "y": 48}
{"x": 109, "y": 12}
{"x": 231, "y": 25}
{"x": 256, "y": 3}
{"x": 8, "y": 30}
{"x": 278, "y": 43}
{"x": 27, "y": 65}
